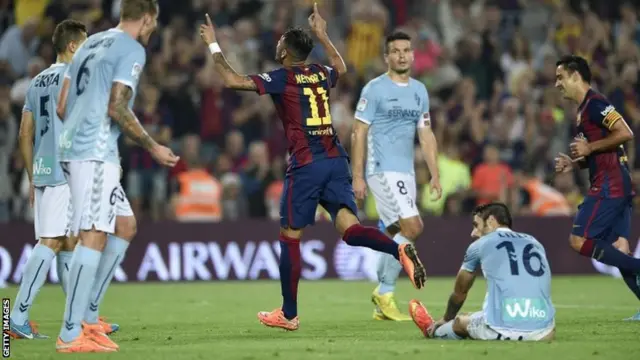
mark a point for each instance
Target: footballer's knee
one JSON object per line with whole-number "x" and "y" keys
{"x": 69, "y": 243}
{"x": 54, "y": 244}
{"x": 345, "y": 219}
{"x": 460, "y": 324}
{"x": 126, "y": 227}
{"x": 622, "y": 244}
{"x": 411, "y": 228}
{"x": 576, "y": 242}
{"x": 290, "y": 233}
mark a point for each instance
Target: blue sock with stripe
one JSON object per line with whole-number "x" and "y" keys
{"x": 82, "y": 274}
{"x": 112, "y": 257}
{"x": 33, "y": 277}
{"x": 63, "y": 261}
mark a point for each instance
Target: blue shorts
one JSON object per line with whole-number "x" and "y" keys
{"x": 325, "y": 182}
{"x": 603, "y": 219}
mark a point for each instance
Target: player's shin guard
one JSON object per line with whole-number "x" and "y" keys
{"x": 290, "y": 270}
{"x": 606, "y": 253}
{"x": 34, "y": 276}
{"x": 112, "y": 257}
{"x": 63, "y": 261}
{"x": 82, "y": 273}
{"x": 358, "y": 235}
{"x": 445, "y": 332}
{"x": 389, "y": 268}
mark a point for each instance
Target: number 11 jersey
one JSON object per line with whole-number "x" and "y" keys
{"x": 301, "y": 98}
{"x": 106, "y": 57}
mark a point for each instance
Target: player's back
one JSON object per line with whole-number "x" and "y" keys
{"x": 88, "y": 131}
{"x": 608, "y": 169}
{"x": 301, "y": 98}
{"x": 518, "y": 281}
{"x": 393, "y": 111}
{"x": 41, "y": 101}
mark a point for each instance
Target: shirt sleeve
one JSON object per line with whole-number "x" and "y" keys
{"x": 367, "y": 105}
{"x": 425, "y": 119}
{"x": 602, "y": 113}
{"x": 129, "y": 68}
{"x": 333, "y": 75}
{"x": 28, "y": 99}
{"x": 472, "y": 257}
{"x": 272, "y": 82}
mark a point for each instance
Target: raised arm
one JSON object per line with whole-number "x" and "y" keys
{"x": 319, "y": 28}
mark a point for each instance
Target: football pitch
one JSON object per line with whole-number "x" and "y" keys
{"x": 217, "y": 320}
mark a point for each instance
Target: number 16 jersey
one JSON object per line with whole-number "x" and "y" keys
{"x": 301, "y": 97}
{"x": 518, "y": 280}
{"x": 106, "y": 57}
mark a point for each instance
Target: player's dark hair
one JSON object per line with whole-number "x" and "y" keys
{"x": 499, "y": 211}
{"x": 298, "y": 43}
{"x": 136, "y": 9}
{"x": 66, "y": 32}
{"x": 397, "y": 35}
{"x": 574, "y": 63}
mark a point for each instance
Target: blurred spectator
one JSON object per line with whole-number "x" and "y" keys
{"x": 17, "y": 44}
{"x": 492, "y": 178}
{"x": 19, "y": 88}
{"x": 8, "y": 136}
{"x": 455, "y": 177}
{"x": 234, "y": 201}
{"x": 256, "y": 177}
{"x": 540, "y": 199}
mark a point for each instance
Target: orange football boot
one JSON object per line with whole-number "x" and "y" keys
{"x": 421, "y": 317}
{"x": 408, "y": 257}
{"x": 276, "y": 319}
{"x": 96, "y": 333}
{"x": 81, "y": 344}
{"x": 108, "y": 328}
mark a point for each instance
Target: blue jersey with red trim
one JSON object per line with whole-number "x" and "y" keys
{"x": 301, "y": 98}
{"x": 608, "y": 170}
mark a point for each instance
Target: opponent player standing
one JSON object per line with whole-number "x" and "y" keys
{"x": 603, "y": 222}
{"x": 391, "y": 108}
{"x": 102, "y": 80}
{"x": 39, "y": 131}
{"x": 318, "y": 172}
{"x": 517, "y": 305}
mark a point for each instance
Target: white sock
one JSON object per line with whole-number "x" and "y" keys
{"x": 445, "y": 332}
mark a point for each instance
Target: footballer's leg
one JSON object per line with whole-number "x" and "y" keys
{"x": 455, "y": 329}
{"x": 298, "y": 204}
{"x": 50, "y": 224}
{"x": 93, "y": 217}
{"x": 63, "y": 260}
{"x": 339, "y": 200}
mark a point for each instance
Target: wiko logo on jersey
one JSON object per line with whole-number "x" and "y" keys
{"x": 404, "y": 113}
{"x": 524, "y": 309}
{"x": 607, "y": 110}
{"x": 42, "y": 167}
{"x": 65, "y": 142}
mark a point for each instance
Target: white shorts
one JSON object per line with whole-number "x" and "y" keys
{"x": 395, "y": 195}
{"x": 479, "y": 330}
{"x": 51, "y": 211}
{"x": 96, "y": 196}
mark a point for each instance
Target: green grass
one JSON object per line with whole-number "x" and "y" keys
{"x": 217, "y": 320}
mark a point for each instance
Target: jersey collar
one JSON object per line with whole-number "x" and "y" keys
{"x": 504, "y": 229}
{"x": 57, "y": 65}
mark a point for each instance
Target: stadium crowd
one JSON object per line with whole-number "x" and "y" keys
{"x": 489, "y": 66}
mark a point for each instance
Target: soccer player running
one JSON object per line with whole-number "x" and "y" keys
{"x": 391, "y": 108}
{"x": 101, "y": 80}
{"x": 602, "y": 225}
{"x": 517, "y": 305}
{"x": 318, "y": 172}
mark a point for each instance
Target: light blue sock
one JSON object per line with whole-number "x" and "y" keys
{"x": 82, "y": 273}
{"x": 33, "y": 277}
{"x": 389, "y": 268}
{"x": 112, "y": 256}
{"x": 63, "y": 262}
{"x": 445, "y": 332}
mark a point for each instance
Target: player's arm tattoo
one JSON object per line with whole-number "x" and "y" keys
{"x": 231, "y": 78}
{"x": 120, "y": 112}
{"x": 453, "y": 307}
{"x": 464, "y": 281}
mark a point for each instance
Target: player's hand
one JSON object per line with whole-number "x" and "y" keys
{"x": 32, "y": 194}
{"x": 207, "y": 32}
{"x": 164, "y": 156}
{"x": 580, "y": 148}
{"x": 359, "y": 188}
{"x": 436, "y": 189}
{"x": 317, "y": 23}
{"x": 564, "y": 164}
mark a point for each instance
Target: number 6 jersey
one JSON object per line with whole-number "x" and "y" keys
{"x": 301, "y": 98}
{"x": 106, "y": 57}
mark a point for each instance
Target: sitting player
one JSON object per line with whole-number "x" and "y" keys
{"x": 517, "y": 305}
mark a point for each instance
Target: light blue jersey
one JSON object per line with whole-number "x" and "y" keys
{"x": 393, "y": 111}
{"x": 42, "y": 101}
{"x": 106, "y": 57}
{"x": 518, "y": 280}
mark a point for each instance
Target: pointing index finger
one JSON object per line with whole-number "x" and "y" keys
{"x": 208, "y": 19}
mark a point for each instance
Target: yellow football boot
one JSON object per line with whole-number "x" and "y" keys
{"x": 388, "y": 309}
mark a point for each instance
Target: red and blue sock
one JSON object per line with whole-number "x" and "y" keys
{"x": 370, "y": 237}
{"x": 290, "y": 270}
{"x": 606, "y": 253}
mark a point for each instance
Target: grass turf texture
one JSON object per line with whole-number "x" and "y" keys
{"x": 217, "y": 320}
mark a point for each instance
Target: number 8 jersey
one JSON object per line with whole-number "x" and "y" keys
{"x": 301, "y": 98}
{"x": 106, "y": 57}
{"x": 518, "y": 280}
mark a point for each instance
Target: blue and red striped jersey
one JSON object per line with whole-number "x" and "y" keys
{"x": 608, "y": 170}
{"x": 301, "y": 98}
